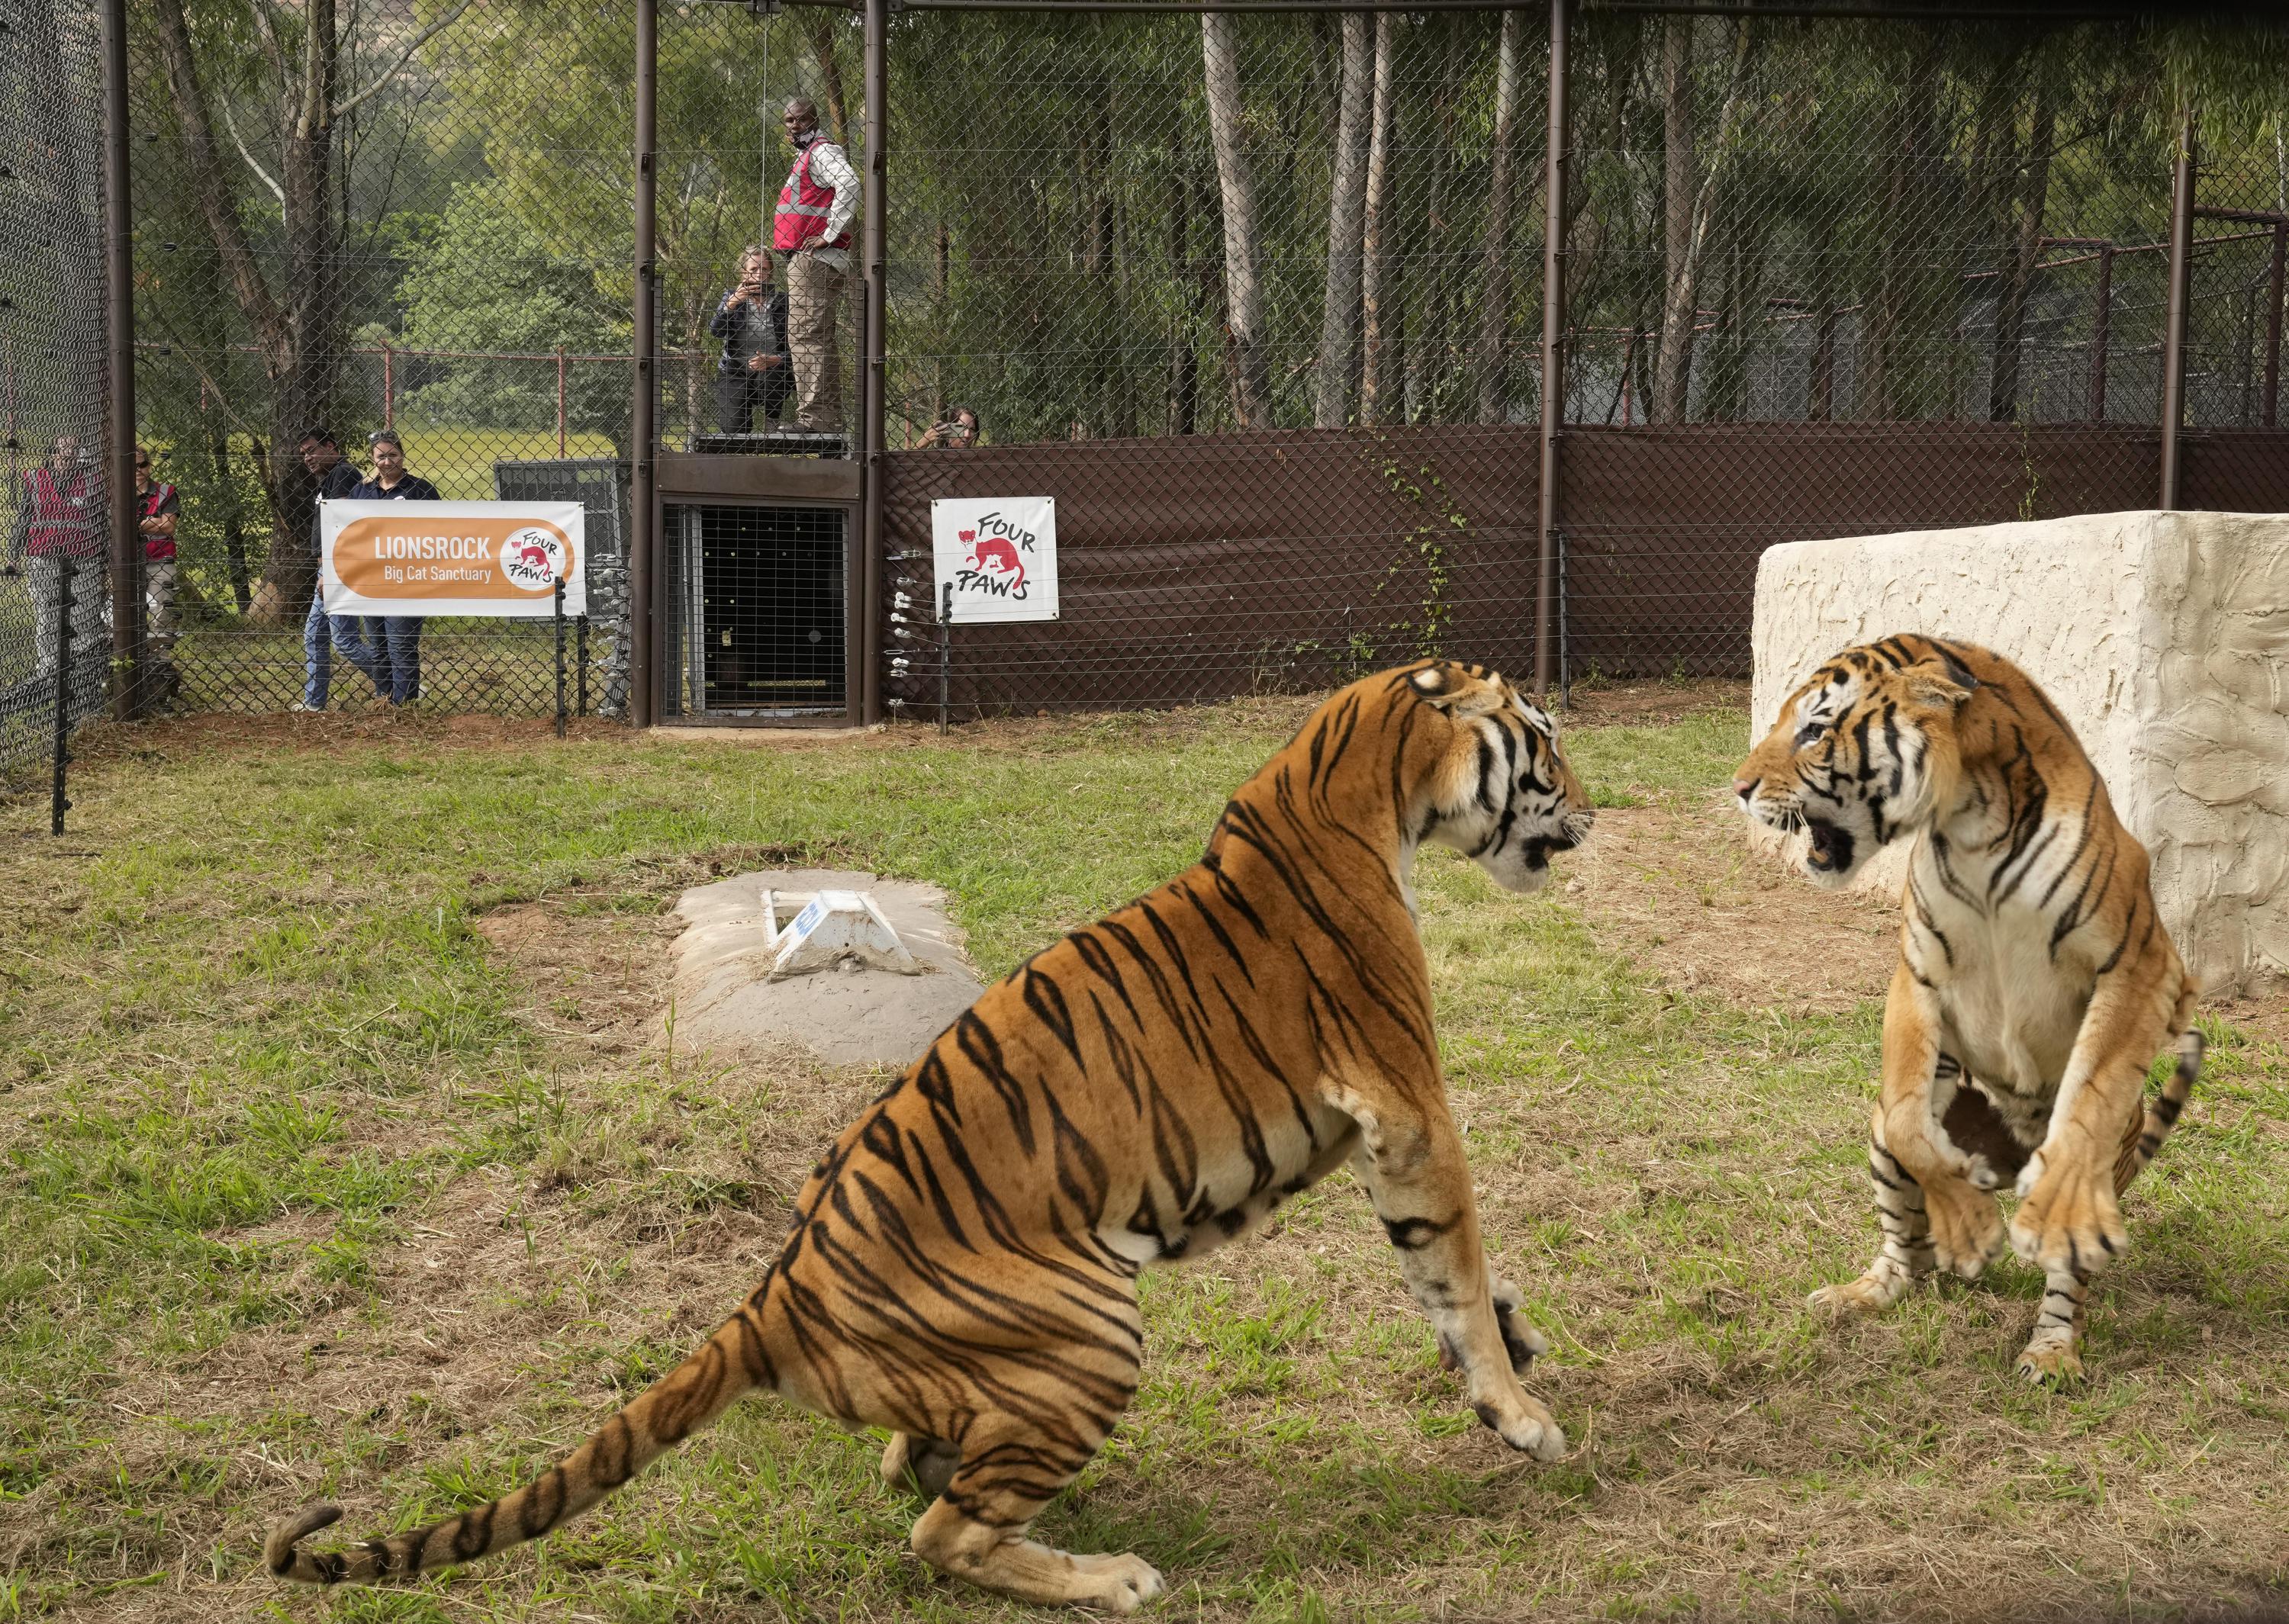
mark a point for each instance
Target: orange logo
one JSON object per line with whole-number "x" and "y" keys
{"x": 423, "y": 556}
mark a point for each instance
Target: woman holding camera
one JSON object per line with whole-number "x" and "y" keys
{"x": 752, "y": 322}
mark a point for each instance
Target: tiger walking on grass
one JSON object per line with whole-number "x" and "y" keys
{"x": 962, "y": 1266}
{"x": 2035, "y": 983}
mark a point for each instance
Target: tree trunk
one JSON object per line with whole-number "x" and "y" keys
{"x": 1182, "y": 399}
{"x": 830, "y": 80}
{"x": 1346, "y": 205}
{"x": 1688, "y": 208}
{"x": 1887, "y": 390}
{"x": 1377, "y": 346}
{"x": 2011, "y": 295}
{"x": 1426, "y": 355}
{"x": 1680, "y": 180}
{"x": 1251, "y": 390}
{"x": 1494, "y": 273}
{"x": 297, "y": 335}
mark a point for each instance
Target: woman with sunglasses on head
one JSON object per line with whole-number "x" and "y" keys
{"x": 399, "y": 649}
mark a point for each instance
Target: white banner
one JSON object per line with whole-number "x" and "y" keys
{"x": 500, "y": 559}
{"x": 999, "y": 556}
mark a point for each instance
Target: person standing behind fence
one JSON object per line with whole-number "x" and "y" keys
{"x": 812, "y": 227}
{"x": 157, "y": 506}
{"x": 752, "y": 321}
{"x": 323, "y": 633}
{"x": 401, "y": 635}
{"x": 60, "y": 525}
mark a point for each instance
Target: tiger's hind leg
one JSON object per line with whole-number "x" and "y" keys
{"x": 977, "y": 1530}
{"x": 2053, "y": 1353}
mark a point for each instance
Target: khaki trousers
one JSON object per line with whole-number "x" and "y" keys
{"x": 814, "y": 292}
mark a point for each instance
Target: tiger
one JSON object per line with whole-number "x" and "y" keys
{"x": 2035, "y": 981}
{"x": 962, "y": 1267}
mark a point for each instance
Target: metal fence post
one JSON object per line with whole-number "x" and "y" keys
{"x": 61, "y": 642}
{"x": 559, "y": 657}
{"x": 580, "y": 662}
{"x": 642, "y": 428}
{"x": 2174, "y": 335}
{"x": 1553, "y": 333}
{"x": 875, "y": 237}
{"x": 126, "y": 547}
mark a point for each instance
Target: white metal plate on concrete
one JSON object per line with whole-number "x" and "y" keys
{"x": 832, "y": 928}
{"x": 856, "y": 1014}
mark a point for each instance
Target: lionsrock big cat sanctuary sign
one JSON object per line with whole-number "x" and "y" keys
{"x": 999, "y": 554}
{"x": 498, "y": 559}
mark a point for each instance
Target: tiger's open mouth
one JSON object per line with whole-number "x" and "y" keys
{"x": 1830, "y": 848}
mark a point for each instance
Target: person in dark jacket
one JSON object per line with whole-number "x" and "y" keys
{"x": 752, "y": 322}
{"x": 323, "y": 633}
{"x": 400, "y": 642}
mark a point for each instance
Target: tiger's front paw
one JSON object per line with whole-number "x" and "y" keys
{"x": 2055, "y": 1361}
{"x": 1520, "y": 1340}
{"x": 1967, "y": 1226}
{"x": 1521, "y": 1422}
{"x": 2070, "y": 1220}
{"x": 1870, "y": 1293}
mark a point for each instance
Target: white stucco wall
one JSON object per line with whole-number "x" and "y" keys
{"x": 2162, "y": 637}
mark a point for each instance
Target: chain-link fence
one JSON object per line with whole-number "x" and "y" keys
{"x": 413, "y": 223}
{"x": 1258, "y": 298}
{"x": 1825, "y": 276}
{"x": 55, "y": 590}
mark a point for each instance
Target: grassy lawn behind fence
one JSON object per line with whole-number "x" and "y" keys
{"x": 341, "y": 1161}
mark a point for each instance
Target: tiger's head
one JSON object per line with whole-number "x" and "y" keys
{"x": 1500, "y": 792}
{"x": 1862, "y": 754}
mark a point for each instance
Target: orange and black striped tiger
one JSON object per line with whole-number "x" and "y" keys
{"x": 2035, "y": 983}
{"x": 962, "y": 1266}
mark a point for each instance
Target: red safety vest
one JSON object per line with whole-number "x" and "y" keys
{"x": 802, "y": 208}
{"x": 161, "y": 547}
{"x": 62, "y": 524}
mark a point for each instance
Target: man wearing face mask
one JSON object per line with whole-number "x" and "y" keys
{"x": 812, "y": 229}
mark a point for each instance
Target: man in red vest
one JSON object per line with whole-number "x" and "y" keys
{"x": 60, "y": 525}
{"x": 812, "y": 229}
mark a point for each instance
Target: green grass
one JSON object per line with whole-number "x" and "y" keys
{"x": 314, "y": 1191}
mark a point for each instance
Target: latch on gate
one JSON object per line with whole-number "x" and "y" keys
{"x": 833, "y": 928}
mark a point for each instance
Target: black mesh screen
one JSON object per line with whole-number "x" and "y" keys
{"x": 757, "y": 611}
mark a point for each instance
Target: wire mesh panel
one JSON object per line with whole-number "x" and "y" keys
{"x": 775, "y": 353}
{"x": 55, "y": 590}
{"x": 414, "y": 222}
{"x": 755, "y": 629}
{"x": 1256, "y": 298}
{"x": 1817, "y": 227}
{"x": 2235, "y": 456}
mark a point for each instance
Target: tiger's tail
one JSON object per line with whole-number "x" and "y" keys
{"x": 740, "y": 1356}
{"x": 2162, "y": 1115}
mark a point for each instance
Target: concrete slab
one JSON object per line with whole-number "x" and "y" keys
{"x": 846, "y": 1016}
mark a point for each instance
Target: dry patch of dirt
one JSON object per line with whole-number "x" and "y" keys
{"x": 1641, "y": 704}
{"x": 1676, "y": 887}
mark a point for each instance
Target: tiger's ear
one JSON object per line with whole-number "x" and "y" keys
{"x": 1935, "y": 683}
{"x": 1439, "y": 684}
